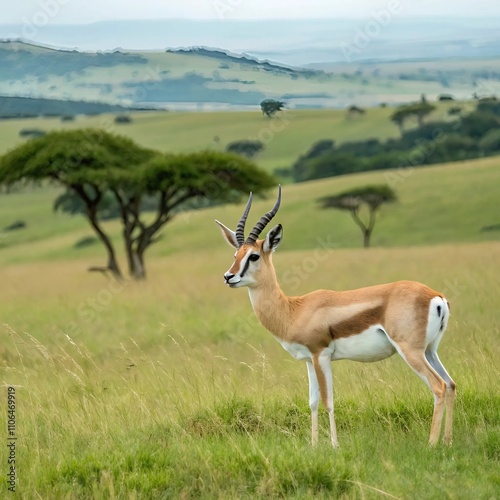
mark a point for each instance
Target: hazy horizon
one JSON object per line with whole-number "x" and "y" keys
{"x": 290, "y": 41}
{"x": 67, "y": 12}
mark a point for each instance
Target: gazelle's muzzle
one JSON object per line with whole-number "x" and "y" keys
{"x": 231, "y": 279}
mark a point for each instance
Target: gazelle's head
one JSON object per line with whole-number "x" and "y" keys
{"x": 252, "y": 257}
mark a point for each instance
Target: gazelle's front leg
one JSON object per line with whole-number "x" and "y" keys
{"x": 323, "y": 367}
{"x": 313, "y": 401}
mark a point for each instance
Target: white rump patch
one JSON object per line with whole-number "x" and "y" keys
{"x": 435, "y": 320}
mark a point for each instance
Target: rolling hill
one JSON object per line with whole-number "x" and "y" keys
{"x": 208, "y": 79}
{"x": 423, "y": 216}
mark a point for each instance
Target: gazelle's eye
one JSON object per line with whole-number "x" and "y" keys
{"x": 254, "y": 257}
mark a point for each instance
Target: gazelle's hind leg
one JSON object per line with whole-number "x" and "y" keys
{"x": 417, "y": 360}
{"x": 433, "y": 359}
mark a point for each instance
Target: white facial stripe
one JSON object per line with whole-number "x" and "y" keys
{"x": 245, "y": 263}
{"x": 241, "y": 270}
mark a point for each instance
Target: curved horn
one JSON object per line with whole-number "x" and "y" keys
{"x": 240, "y": 229}
{"x": 264, "y": 220}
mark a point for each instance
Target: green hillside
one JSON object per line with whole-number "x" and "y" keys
{"x": 440, "y": 204}
{"x": 286, "y": 137}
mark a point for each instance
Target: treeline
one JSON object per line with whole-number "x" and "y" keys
{"x": 462, "y": 137}
{"x": 27, "y": 107}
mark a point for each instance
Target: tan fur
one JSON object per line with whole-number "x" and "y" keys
{"x": 318, "y": 317}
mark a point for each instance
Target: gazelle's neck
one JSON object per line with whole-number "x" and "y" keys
{"x": 270, "y": 304}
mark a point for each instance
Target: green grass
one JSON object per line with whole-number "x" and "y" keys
{"x": 170, "y": 388}
{"x": 285, "y": 137}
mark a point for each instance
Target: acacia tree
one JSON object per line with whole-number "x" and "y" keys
{"x": 373, "y": 197}
{"x": 399, "y": 118}
{"x": 270, "y": 107}
{"x": 419, "y": 110}
{"x": 91, "y": 164}
{"x": 78, "y": 160}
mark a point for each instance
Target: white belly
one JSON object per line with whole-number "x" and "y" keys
{"x": 298, "y": 351}
{"x": 367, "y": 346}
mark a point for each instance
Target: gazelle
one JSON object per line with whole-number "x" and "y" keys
{"x": 367, "y": 324}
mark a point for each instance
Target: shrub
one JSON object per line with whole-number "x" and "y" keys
{"x": 31, "y": 132}
{"x": 123, "y": 119}
{"x": 18, "y": 224}
{"x": 490, "y": 143}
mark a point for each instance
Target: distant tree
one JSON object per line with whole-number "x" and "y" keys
{"x": 421, "y": 110}
{"x": 270, "y": 107}
{"x": 246, "y": 148}
{"x": 445, "y": 97}
{"x": 373, "y": 197}
{"x": 354, "y": 110}
{"x": 418, "y": 110}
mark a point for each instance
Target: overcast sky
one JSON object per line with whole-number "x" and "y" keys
{"x": 87, "y": 11}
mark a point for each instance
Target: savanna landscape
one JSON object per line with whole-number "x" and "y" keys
{"x": 168, "y": 386}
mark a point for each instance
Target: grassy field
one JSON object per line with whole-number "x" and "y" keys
{"x": 171, "y": 389}
{"x": 285, "y": 137}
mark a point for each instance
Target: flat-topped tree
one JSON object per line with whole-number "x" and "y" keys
{"x": 93, "y": 165}
{"x": 81, "y": 161}
{"x": 373, "y": 197}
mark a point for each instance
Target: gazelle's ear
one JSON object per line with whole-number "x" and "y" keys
{"x": 273, "y": 239}
{"x": 229, "y": 235}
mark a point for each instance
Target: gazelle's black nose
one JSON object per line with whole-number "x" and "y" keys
{"x": 228, "y": 277}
